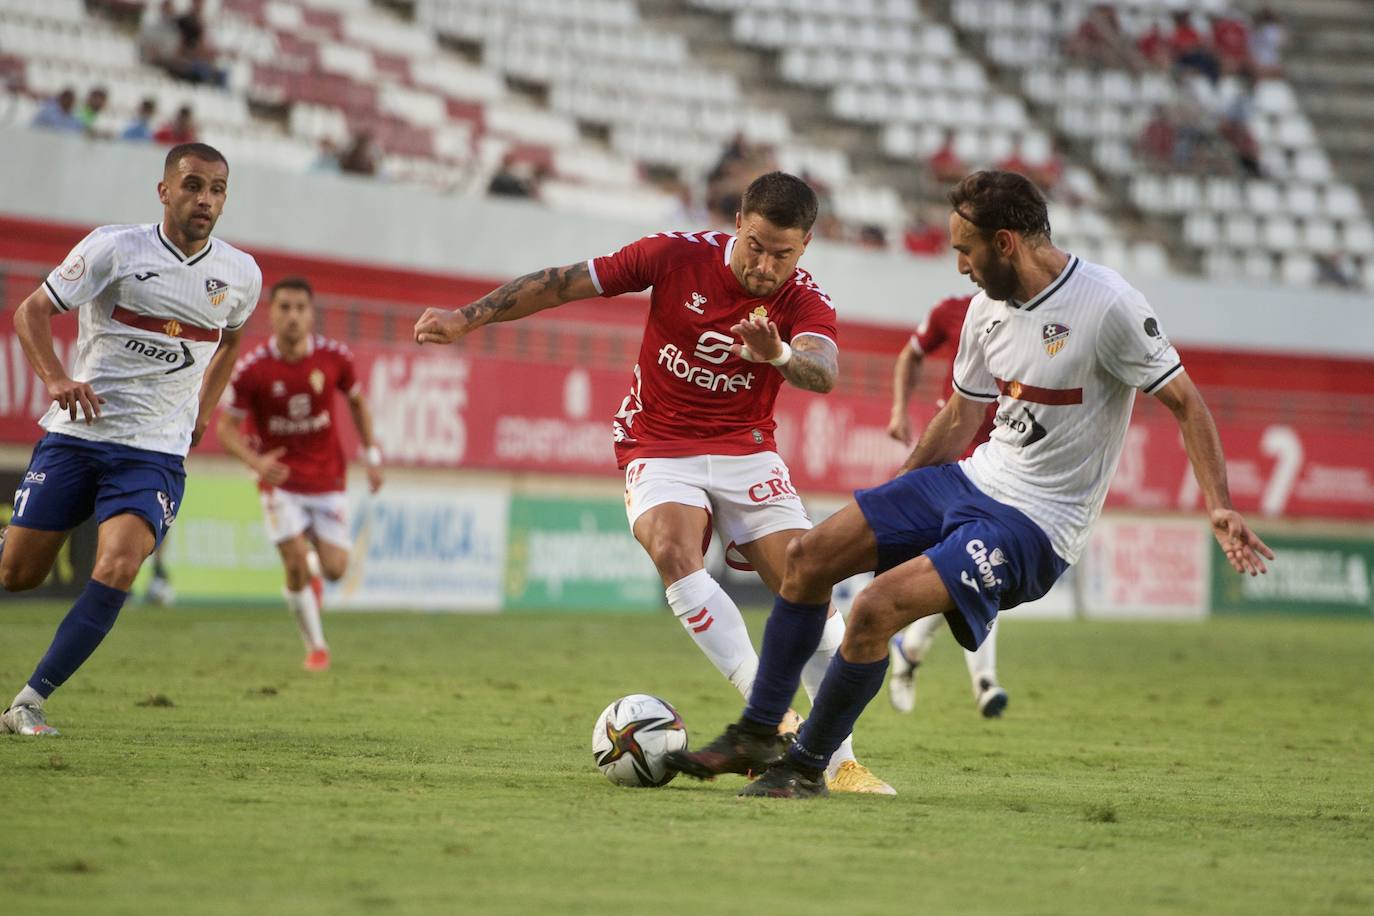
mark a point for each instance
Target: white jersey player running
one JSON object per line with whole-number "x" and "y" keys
{"x": 161, "y": 307}
{"x": 1062, "y": 346}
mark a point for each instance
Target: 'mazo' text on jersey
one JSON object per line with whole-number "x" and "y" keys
{"x": 171, "y": 357}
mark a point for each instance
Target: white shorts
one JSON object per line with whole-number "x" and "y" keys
{"x": 747, "y": 496}
{"x": 286, "y": 514}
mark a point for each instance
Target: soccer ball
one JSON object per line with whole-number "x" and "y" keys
{"x": 633, "y": 736}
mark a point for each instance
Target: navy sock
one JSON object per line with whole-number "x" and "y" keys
{"x": 77, "y": 635}
{"x": 846, "y": 690}
{"x": 790, "y": 639}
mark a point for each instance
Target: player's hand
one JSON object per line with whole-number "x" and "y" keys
{"x": 899, "y": 427}
{"x": 441, "y": 326}
{"x": 762, "y": 341}
{"x": 374, "y": 478}
{"x": 71, "y": 395}
{"x": 1244, "y": 550}
{"x": 270, "y": 468}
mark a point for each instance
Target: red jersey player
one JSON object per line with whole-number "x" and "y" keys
{"x": 286, "y": 387}
{"x": 938, "y": 332}
{"x": 730, "y": 319}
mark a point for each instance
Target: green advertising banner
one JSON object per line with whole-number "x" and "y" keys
{"x": 1311, "y": 575}
{"x": 568, "y": 554}
{"x": 216, "y": 550}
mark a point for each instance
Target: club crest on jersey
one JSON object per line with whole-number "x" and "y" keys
{"x": 317, "y": 381}
{"x": 696, "y": 303}
{"x": 760, "y": 312}
{"x": 216, "y": 290}
{"x": 74, "y": 269}
{"x": 1054, "y": 336}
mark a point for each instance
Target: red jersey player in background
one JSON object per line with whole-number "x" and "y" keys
{"x": 730, "y": 319}
{"x": 938, "y": 333}
{"x": 285, "y": 388}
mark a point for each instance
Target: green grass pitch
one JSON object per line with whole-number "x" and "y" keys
{"x": 443, "y": 766}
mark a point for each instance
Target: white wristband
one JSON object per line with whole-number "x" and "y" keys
{"x": 374, "y": 456}
{"x": 780, "y": 360}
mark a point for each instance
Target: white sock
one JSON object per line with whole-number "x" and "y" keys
{"x": 28, "y": 697}
{"x": 918, "y": 636}
{"x": 307, "y": 611}
{"x": 814, "y": 672}
{"x": 715, "y": 625}
{"x": 983, "y": 663}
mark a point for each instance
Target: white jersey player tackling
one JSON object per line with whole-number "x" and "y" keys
{"x": 161, "y": 307}
{"x": 1062, "y": 346}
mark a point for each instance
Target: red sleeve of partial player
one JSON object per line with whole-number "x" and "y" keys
{"x": 815, "y": 312}
{"x": 943, "y": 324}
{"x": 632, "y": 269}
{"x": 240, "y": 400}
{"x": 348, "y": 373}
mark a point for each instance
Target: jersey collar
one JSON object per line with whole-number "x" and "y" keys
{"x": 1050, "y": 290}
{"x": 176, "y": 252}
{"x": 276, "y": 350}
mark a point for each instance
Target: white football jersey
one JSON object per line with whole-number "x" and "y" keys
{"x": 150, "y": 319}
{"x": 1064, "y": 369}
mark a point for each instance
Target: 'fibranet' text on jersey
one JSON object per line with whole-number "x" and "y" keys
{"x": 150, "y": 320}
{"x": 689, "y": 395}
{"x": 1064, "y": 369}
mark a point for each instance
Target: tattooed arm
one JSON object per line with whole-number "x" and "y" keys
{"x": 813, "y": 365}
{"x": 519, "y": 298}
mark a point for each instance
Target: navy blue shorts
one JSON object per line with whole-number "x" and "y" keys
{"x": 990, "y": 556}
{"x": 71, "y": 479}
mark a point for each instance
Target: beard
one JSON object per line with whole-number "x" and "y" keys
{"x": 1000, "y": 279}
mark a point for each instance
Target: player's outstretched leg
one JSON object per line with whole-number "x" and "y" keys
{"x": 124, "y": 541}
{"x": 836, "y": 549}
{"x": 988, "y": 694}
{"x": 906, "y": 651}
{"x": 911, "y": 590}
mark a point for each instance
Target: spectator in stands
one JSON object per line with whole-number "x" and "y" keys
{"x": 159, "y": 39}
{"x": 1234, "y": 127}
{"x": 195, "y": 59}
{"x": 1190, "y": 50}
{"x": 739, "y": 164}
{"x": 181, "y": 129}
{"x": 871, "y": 236}
{"x": 1266, "y": 44}
{"x": 945, "y": 164}
{"x": 1336, "y": 270}
{"x": 1231, "y": 40}
{"x": 59, "y": 113}
{"x": 1153, "y": 47}
{"x": 360, "y": 157}
{"x": 1015, "y": 162}
{"x": 690, "y": 213}
{"x": 141, "y": 127}
{"x": 1099, "y": 40}
{"x": 96, "y": 99}
{"x": 1158, "y": 139}
{"x": 929, "y": 233}
{"x": 515, "y": 178}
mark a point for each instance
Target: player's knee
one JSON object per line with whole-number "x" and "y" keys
{"x": 803, "y": 568}
{"x": 15, "y": 578}
{"x": 674, "y": 559}
{"x": 117, "y": 569}
{"x": 333, "y": 567}
{"x": 871, "y": 618}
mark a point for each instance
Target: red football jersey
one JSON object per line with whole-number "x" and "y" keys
{"x": 689, "y": 395}
{"x": 291, "y": 405}
{"x": 941, "y": 329}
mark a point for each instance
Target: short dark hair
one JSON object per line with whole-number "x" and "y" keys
{"x": 784, "y": 200}
{"x": 992, "y": 200}
{"x": 299, "y": 283}
{"x": 202, "y": 151}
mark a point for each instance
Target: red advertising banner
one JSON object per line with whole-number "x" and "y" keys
{"x": 449, "y": 408}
